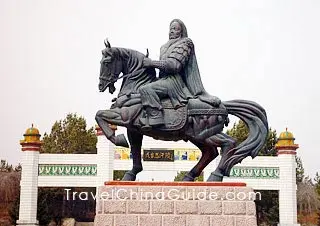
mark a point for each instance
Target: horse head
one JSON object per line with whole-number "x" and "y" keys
{"x": 111, "y": 67}
{"x": 120, "y": 60}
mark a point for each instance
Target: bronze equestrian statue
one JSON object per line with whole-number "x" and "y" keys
{"x": 174, "y": 106}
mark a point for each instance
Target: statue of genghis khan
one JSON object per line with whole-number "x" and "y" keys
{"x": 174, "y": 106}
{"x": 179, "y": 77}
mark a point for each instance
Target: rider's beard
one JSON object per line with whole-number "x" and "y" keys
{"x": 174, "y": 36}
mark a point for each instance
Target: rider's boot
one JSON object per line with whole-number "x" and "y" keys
{"x": 144, "y": 121}
{"x": 145, "y": 124}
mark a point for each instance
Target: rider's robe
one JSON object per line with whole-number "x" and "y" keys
{"x": 179, "y": 76}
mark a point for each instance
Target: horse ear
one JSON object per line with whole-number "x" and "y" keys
{"x": 107, "y": 43}
{"x": 147, "y": 55}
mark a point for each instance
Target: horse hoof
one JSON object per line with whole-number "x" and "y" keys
{"x": 121, "y": 141}
{"x": 215, "y": 177}
{"x": 128, "y": 176}
{"x": 187, "y": 177}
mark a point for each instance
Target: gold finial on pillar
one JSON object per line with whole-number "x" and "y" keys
{"x": 31, "y": 141}
{"x": 285, "y": 143}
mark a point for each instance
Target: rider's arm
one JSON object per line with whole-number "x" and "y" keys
{"x": 176, "y": 61}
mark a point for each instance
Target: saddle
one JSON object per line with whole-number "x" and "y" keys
{"x": 175, "y": 119}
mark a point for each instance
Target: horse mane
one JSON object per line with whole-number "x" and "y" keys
{"x": 133, "y": 58}
{"x": 132, "y": 61}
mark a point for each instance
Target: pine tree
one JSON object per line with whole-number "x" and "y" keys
{"x": 180, "y": 175}
{"x": 300, "y": 170}
{"x": 118, "y": 174}
{"x": 70, "y": 136}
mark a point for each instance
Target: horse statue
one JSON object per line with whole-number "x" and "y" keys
{"x": 197, "y": 121}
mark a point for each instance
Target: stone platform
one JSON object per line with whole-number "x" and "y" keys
{"x": 175, "y": 204}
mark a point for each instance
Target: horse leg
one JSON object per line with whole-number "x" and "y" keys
{"x": 103, "y": 119}
{"x": 208, "y": 154}
{"x": 135, "y": 140}
{"x": 226, "y": 143}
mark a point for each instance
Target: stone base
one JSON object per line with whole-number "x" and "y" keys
{"x": 175, "y": 203}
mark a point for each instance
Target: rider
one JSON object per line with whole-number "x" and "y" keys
{"x": 179, "y": 76}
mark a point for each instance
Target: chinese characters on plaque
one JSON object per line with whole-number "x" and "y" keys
{"x": 158, "y": 155}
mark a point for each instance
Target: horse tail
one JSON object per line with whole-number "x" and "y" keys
{"x": 255, "y": 117}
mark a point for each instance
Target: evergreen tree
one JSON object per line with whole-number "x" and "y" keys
{"x": 300, "y": 170}
{"x": 180, "y": 176}
{"x": 118, "y": 174}
{"x": 70, "y": 136}
{"x": 268, "y": 207}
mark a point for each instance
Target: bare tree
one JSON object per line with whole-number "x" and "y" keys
{"x": 307, "y": 197}
{"x": 9, "y": 186}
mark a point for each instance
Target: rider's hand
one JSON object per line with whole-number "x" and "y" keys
{"x": 216, "y": 101}
{"x": 147, "y": 62}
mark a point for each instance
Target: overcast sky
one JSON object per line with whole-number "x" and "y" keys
{"x": 265, "y": 51}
